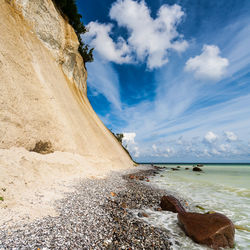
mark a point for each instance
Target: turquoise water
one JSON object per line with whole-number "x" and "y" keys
{"x": 221, "y": 188}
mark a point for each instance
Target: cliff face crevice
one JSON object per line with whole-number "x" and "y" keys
{"x": 43, "y": 89}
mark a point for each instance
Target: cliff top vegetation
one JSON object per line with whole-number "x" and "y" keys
{"x": 69, "y": 9}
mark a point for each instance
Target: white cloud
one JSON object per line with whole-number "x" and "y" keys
{"x": 136, "y": 151}
{"x": 224, "y": 147}
{"x": 156, "y": 117}
{"x": 231, "y": 136}
{"x": 148, "y": 39}
{"x": 233, "y": 115}
{"x": 214, "y": 151}
{"x": 151, "y": 38}
{"x": 209, "y": 64}
{"x": 99, "y": 36}
{"x": 154, "y": 147}
{"x": 128, "y": 141}
{"x": 210, "y": 137}
{"x": 129, "y": 138}
{"x": 168, "y": 152}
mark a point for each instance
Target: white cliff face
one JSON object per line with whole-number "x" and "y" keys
{"x": 57, "y": 35}
{"x": 43, "y": 85}
{"x": 43, "y": 97}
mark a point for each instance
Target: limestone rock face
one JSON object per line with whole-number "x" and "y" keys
{"x": 43, "y": 86}
{"x": 214, "y": 230}
{"x": 57, "y": 35}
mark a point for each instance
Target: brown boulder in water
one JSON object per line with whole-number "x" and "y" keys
{"x": 214, "y": 230}
{"x": 196, "y": 169}
{"x": 170, "y": 203}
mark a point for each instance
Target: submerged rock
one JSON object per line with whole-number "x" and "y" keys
{"x": 214, "y": 230}
{"x": 174, "y": 169}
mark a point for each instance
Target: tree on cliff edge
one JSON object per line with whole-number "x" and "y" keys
{"x": 69, "y": 9}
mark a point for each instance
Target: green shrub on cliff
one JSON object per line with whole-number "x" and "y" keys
{"x": 119, "y": 137}
{"x": 69, "y": 9}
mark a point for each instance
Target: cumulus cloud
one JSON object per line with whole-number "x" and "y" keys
{"x": 168, "y": 152}
{"x": 162, "y": 150}
{"x": 215, "y": 147}
{"x": 154, "y": 147}
{"x": 209, "y": 64}
{"x": 224, "y": 147}
{"x": 150, "y": 37}
{"x": 129, "y": 138}
{"x": 128, "y": 141}
{"x": 99, "y": 36}
{"x": 148, "y": 40}
{"x": 214, "y": 151}
{"x": 210, "y": 137}
{"x": 231, "y": 136}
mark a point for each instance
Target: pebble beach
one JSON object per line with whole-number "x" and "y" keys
{"x": 98, "y": 214}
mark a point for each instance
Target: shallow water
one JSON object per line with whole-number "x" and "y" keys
{"x": 220, "y": 188}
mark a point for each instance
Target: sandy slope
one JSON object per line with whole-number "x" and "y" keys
{"x": 30, "y": 182}
{"x": 43, "y": 97}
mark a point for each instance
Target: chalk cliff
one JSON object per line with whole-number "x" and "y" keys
{"x": 43, "y": 96}
{"x": 43, "y": 85}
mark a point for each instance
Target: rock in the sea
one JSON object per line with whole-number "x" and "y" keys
{"x": 197, "y": 169}
{"x": 214, "y": 230}
{"x": 186, "y": 168}
{"x": 170, "y": 203}
{"x": 199, "y": 165}
{"x": 174, "y": 169}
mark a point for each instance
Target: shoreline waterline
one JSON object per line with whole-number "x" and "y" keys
{"x": 99, "y": 215}
{"x": 113, "y": 212}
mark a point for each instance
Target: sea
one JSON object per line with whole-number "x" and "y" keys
{"x": 224, "y": 188}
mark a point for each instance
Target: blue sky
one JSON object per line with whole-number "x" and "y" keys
{"x": 173, "y": 76}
